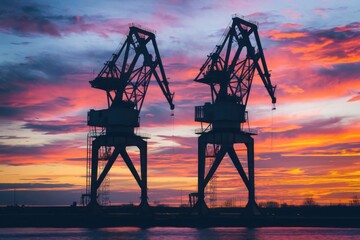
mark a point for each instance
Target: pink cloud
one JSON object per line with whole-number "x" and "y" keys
{"x": 306, "y": 60}
{"x": 291, "y": 25}
{"x": 26, "y": 26}
{"x": 354, "y": 99}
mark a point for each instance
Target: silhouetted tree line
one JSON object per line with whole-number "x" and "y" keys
{"x": 308, "y": 202}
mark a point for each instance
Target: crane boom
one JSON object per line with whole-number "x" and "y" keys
{"x": 125, "y": 78}
{"x": 264, "y": 74}
{"x": 229, "y": 70}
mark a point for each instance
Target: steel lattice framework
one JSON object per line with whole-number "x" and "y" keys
{"x": 229, "y": 71}
{"x": 125, "y": 78}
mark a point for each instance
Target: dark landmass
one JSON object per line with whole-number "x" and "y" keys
{"x": 62, "y": 217}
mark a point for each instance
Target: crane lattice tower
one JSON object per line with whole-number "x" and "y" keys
{"x": 229, "y": 71}
{"x": 125, "y": 79}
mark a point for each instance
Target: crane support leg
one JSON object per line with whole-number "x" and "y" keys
{"x": 200, "y": 204}
{"x": 226, "y": 143}
{"x": 94, "y": 173}
{"x": 143, "y": 165}
{"x": 215, "y": 165}
{"x": 238, "y": 166}
{"x": 119, "y": 145}
{"x": 107, "y": 167}
{"x": 251, "y": 205}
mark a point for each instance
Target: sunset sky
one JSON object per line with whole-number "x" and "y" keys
{"x": 308, "y": 147}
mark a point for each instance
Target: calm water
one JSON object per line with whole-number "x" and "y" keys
{"x": 181, "y": 233}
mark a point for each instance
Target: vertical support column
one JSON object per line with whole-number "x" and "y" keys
{"x": 251, "y": 206}
{"x": 94, "y": 172}
{"x": 201, "y": 173}
{"x": 143, "y": 163}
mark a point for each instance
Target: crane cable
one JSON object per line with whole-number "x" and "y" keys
{"x": 173, "y": 131}
{"x": 272, "y": 127}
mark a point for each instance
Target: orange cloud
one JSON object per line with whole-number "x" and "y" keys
{"x": 278, "y": 35}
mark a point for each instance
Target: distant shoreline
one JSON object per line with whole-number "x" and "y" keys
{"x": 83, "y": 217}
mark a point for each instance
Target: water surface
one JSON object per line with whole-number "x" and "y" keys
{"x": 168, "y": 233}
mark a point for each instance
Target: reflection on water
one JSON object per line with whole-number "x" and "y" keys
{"x": 129, "y": 233}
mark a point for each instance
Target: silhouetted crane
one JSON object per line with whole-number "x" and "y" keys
{"x": 125, "y": 78}
{"x": 229, "y": 72}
